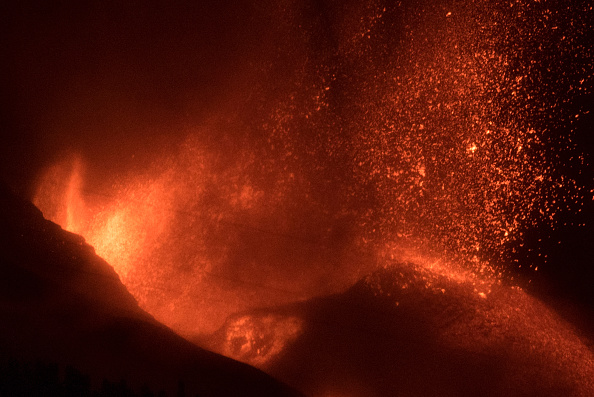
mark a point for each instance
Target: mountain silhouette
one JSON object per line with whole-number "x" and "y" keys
{"x": 61, "y": 304}
{"x": 412, "y": 330}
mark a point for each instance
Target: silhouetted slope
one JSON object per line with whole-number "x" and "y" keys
{"x": 407, "y": 331}
{"x": 60, "y": 303}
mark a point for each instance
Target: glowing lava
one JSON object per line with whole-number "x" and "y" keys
{"x": 61, "y": 196}
{"x": 407, "y": 130}
{"x": 119, "y": 231}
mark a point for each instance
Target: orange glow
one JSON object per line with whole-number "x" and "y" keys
{"x": 156, "y": 245}
{"x": 257, "y": 340}
{"x": 120, "y": 232}
{"x": 114, "y": 242}
{"x": 437, "y": 160}
{"x": 124, "y": 232}
{"x": 73, "y": 198}
{"x": 59, "y": 195}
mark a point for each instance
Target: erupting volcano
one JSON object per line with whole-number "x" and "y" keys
{"x": 320, "y": 184}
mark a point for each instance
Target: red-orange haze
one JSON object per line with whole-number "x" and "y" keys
{"x": 194, "y": 245}
{"x": 407, "y": 132}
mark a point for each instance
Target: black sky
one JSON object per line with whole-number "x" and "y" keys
{"x": 115, "y": 79}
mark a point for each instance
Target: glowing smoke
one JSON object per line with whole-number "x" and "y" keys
{"x": 392, "y": 130}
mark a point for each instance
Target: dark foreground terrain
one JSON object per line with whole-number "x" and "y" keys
{"x": 412, "y": 330}
{"x": 69, "y": 327}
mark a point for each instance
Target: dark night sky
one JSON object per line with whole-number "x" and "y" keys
{"x": 126, "y": 75}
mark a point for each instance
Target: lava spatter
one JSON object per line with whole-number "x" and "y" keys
{"x": 441, "y": 131}
{"x": 455, "y": 137}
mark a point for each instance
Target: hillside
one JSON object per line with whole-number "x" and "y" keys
{"x": 413, "y": 330}
{"x": 63, "y": 305}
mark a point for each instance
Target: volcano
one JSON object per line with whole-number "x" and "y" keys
{"x": 345, "y": 195}
{"x": 64, "y": 307}
{"x": 408, "y": 330}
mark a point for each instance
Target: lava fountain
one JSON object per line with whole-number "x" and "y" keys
{"x": 395, "y": 131}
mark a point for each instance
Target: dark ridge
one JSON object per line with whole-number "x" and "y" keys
{"x": 62, "y": 304}
{"x": 405, "y": 331}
